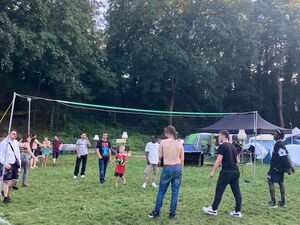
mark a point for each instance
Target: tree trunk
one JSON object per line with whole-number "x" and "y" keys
{"x": 279, "y": 106}
{"x": 172, "y": 99}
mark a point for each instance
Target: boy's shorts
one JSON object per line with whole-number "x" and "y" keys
{"x": 119, "y": 174}
{"x": 275, "y": 176}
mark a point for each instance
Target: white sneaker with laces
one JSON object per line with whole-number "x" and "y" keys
{"x": 236, "y": 214}
{"x": 154, "y": 185}
{"x": 75, "y": 177}
{"x": 144, "y": 185}
{"x": 82, "y": 176}
{"x": 210, "y": 211}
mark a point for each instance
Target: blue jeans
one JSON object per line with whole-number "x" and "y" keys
{"x": 102, "y": 169}
{"x": 173, "y": 175}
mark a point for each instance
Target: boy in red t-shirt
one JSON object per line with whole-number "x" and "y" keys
{"x": 120, "y": 160}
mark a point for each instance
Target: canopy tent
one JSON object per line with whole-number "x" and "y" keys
{"x": 234, "y": 123}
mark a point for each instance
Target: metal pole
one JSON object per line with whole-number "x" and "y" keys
{"x": 12, "y": 112}
{"x": 9, "y": 130}
{"x": 292, "y": 141}
{"x": 29, "y": 111}
{"x": 255, "y": 133}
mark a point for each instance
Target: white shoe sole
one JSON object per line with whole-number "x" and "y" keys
{"x": 209, "y": 213}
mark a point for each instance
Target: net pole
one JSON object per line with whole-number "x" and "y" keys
{"x": 29, "y": 115}
{"x": 9, "y": 130}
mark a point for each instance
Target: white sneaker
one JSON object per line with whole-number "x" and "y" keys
{"x": 236, "y": 214}
{"x": 82, "y": 176}
{"x": 144, "y": 185}
{"x": 154, "y": 185}
{"x": 210, "y": 211}
{"x": 75, "y": 177}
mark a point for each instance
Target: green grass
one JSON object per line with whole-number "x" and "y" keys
{"x": 55, "y": 198}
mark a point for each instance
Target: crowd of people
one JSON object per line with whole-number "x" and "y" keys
{"x": 16, "y": 156}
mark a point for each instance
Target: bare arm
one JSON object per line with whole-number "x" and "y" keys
{"x": 160, "y": 153}
{"x": 88, "y": 142}
{"x": 182, "y": 155}
{"x": 29, "y": 150}
{"x": 98, "y": 152}
{"x": 39, "y": 143}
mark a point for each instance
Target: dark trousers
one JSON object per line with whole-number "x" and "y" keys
{"x": 78, "y": 161}
{"x": 230, "y": 177}
{"x": 102, "y": 169}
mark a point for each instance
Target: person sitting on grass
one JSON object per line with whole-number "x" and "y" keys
{"x": 120, "y": 160}
{"x": 280, "y": 163}
{"x": 46, "y": 151}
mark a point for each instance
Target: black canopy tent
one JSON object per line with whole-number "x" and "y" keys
{"x": 245, "y": 121}
{"x": 251, "y": 122}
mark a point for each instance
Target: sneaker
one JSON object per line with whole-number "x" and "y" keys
{"x": 75, "y": 177}
{"x": 210, "y": 211}
{"x": 82, "y": 176}
{"x": 154, "y": 185}
{"x": 236, "y": 214}
{"x": 6, "y": 200}
{"x": 281, "y": 204}
{"x": 2, "y": 193}
{"x": 172, "y": 216}
{"x": 153, "y": 215}
{"x": 144, "y": 185}
{"x": 272, "y": 204}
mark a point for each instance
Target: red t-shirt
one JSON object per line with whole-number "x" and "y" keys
{"x": 120, "y": 168}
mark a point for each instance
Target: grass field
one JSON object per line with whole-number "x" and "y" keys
{"x": 53, "y": 197}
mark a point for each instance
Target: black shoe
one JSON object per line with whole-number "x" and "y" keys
{"x": 24, "y": 185}
{"x": 15, "y": 188}
{"x": 153, "y": 215}
{"x": 281, "y": 204}
{"x": 6, "y": 200}
{"x": 272, "y": 204}
{"x": 2, "y": 193}
{"x": 172, "y": 216}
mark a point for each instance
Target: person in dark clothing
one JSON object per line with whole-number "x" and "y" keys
{"x": 280, "y": 164}
{"x": 227, "y": 156}
{"x": 104, "y": 154}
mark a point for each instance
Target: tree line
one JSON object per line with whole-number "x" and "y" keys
{"x": 176, "y": 55}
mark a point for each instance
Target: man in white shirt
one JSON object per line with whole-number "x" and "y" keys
{"x": 82, "y": 145}
{"x": 10, "y": 159}
{"x": 152, "y": 161}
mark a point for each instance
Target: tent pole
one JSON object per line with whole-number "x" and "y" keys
{"x": 255, "y": 133}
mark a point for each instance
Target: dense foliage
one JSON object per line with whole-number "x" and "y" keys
{"x": 202, "y": 55}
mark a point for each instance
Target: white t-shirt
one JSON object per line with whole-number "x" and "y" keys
{"x": 152, "y": 148}
{"x": 83, "y": 146}
{"x": 10, "y": 156}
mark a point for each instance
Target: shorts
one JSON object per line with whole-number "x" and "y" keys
{"x": 11, "y": 174}
{"x": 119, "y": 174}
{"x": 55, "y": 155}
{"x": 275, "y": 176}
{"x": 35, "y": 152}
